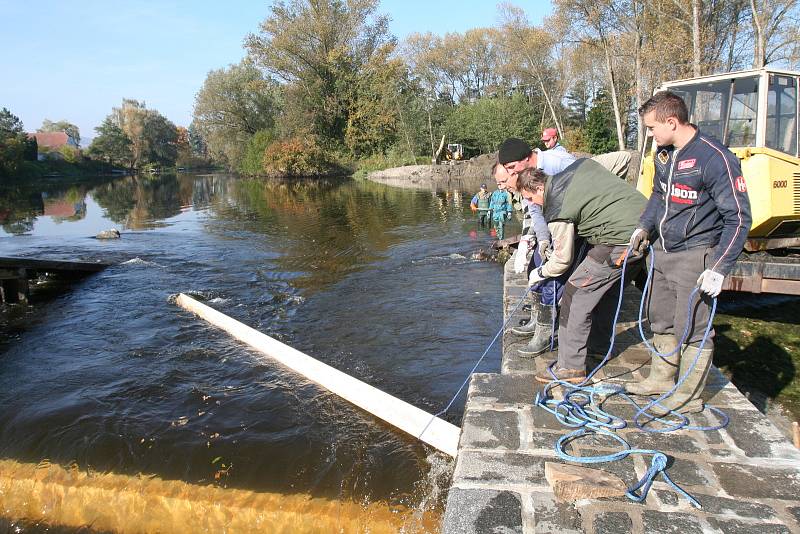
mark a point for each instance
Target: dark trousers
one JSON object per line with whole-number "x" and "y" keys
{"x": 590, "y": 300}
{"x": 674, "y": 278}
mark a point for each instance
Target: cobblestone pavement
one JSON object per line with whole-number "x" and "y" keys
{"x": 746, "y": 476}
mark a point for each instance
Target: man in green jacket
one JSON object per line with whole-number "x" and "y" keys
{"x": 585, "y": 200}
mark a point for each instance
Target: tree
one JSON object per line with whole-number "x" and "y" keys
{"x": 134, "y": 136}
{"x": 481, "y": 126}
{"x": 111, "y": 144}
{"x": 61, "y": 126}
{"x": 319, "y": 47}
{"x": 253, "y": 159}
{"x": 233, "y": 104}
{"x": 531, "y": 49}
{"x": 13, "y": 142}
{"x": 160, "y": 140}
{"x": 373, "y": 118}
{"x": 599, "y": 131}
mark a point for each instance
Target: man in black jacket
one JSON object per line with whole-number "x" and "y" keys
{"x": 700, "y": 210}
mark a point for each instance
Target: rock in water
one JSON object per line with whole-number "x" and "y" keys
{"x": 108, "y": 234}
{"x": 572, "y": 482}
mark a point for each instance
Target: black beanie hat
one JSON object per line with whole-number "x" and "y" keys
{"x": 513, "y": 149}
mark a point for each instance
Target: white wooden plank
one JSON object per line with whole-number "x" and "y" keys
{"x": 439, "y": 433}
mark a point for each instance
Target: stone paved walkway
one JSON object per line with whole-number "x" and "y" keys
{"x": 746, "y": 477}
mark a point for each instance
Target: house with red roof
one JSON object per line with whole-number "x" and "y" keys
{"x": 52, "y": 142}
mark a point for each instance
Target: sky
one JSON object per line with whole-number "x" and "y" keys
{"x": 75, "y": 61}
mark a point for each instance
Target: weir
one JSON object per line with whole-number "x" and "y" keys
{"x": 86, "y": 501}
{"x": 434, "y": 431}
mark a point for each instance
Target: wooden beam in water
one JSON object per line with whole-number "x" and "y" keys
{"x": 435, "y": 432}
{"x": 50, "y": 265}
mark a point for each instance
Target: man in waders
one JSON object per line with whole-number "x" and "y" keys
{"x": 701, "y": 212}
{"x": 480, "y": 204}
{"x": 584, "y": 200}
{"x": 516, "y": 155}
{"x": 500, "y": 204}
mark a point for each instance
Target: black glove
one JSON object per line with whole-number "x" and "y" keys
{"x": 640, "y": 240}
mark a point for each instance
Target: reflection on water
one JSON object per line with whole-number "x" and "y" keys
{"x": 372, "y": 280}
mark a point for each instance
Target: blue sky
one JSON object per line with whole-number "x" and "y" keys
{"x": 77, "y": 60}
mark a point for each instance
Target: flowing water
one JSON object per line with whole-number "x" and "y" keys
{"x": 110, "y": 376}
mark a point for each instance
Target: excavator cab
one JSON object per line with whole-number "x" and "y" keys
{"x": 755, "y": 114}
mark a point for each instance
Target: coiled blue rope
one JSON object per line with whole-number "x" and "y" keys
{"x": 581, "y": 406}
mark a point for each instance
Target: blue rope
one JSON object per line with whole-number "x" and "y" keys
{"x": 581, "y": 407}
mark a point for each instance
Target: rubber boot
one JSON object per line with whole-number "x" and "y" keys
{"x": 662, "y": 370}
{"x": 530, "y": 327}
{"x": 686, "y": 398}
{"x": 540, "y": 342}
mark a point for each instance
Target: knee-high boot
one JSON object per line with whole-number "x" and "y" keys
{"x": 662, "y": 370}
{"x": 686, "y": 398}
{"x": 545, "y": 330}
{"x": 529, "y": 328}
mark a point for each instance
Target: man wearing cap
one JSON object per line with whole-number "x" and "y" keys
{"x": 550, "y": 139}
{"x": 515, "y": 156}
{"x": 480, "y": 204}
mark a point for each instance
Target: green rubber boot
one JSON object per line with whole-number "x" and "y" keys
{"x": 686, "y": 398}
{"x": 540, "y": 342}
{"x": 662, "y": 370}
{"x": 530, "y": 327}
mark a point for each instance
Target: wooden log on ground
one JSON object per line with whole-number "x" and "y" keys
{"x": 434, "y": 431}
{"x": 572, "y": 482}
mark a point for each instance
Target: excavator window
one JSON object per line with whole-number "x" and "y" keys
{"x": 743, "y": 117}
{"x": 782, "y": 114}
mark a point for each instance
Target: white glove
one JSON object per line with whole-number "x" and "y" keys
{"x": 535, "y": 277}
{"x": 710, "y": 282}
{"x": 521, "y": 259}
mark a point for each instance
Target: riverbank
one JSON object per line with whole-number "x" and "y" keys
{"x": 746, "y": 476}
{"x": 464, "y": 175}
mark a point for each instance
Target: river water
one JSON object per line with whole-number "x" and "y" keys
{"x": 111, "y": 376}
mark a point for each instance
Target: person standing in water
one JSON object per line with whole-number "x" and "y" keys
{"x": 480, "y": 205}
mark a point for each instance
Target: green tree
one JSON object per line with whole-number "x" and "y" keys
{"x": 320, "y": 47}
{"x": 134, "y": 136}
{"x": 374, "y": 117}
{"x": 13, "y": 142}
{"x": 160, "y": 140}
{"x": 61, "y": 126}
{"x": 600, "y": 132}
{"x": 111, "y": 144}
{"x": 233, "y": 105}
{"x": 481, "y": 126}
{"x": 253, "y": 159}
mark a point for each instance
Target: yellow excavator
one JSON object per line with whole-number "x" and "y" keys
{"x": 755, "y": 114}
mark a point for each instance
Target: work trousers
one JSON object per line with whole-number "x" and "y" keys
{"x": 499, "y": 225}
{"x": 674, "y": 278}
{"x": 590, "y": 300}
{"x": 483, "y": 217}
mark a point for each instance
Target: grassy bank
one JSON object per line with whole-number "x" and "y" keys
{"x": 758, "y": 346}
